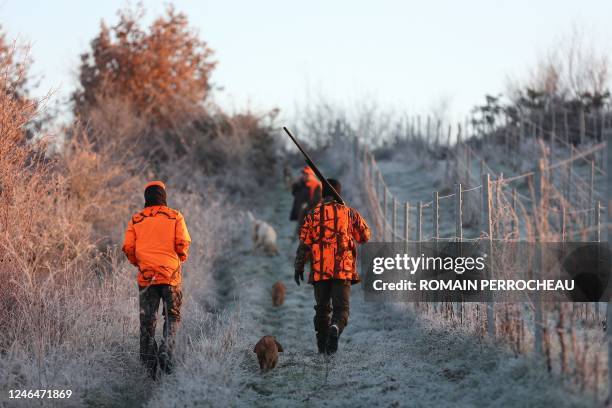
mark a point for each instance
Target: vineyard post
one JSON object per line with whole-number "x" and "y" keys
{"x": 568, "y": 188}
{"x": 602, "y": 127}
{"x": 487, "y": 228}
{"x": 563, "y": 224}
{"x": 459, "y": 233}
{"x": 538, "y": 212}
{"x": 582, "y": 126}
{"x": 468, "y": 154}
{"x": 384, "y": 227}
{"x": 435, "y": 216}
{"x": 521, "y": 133}
{"x": 447, "y": 161}
{"x": 515, "y": 222}
{"x": 566, "y": 126}
{"x": 407, "y": 221}
{"x": 482, "y": 174}
{"x": 457, "y": 150}
{"x": 377, "y": 177}
{"x": 597, "y": 222}
{"x": 458, "y": 213}
{"x": 591, "y": 190}
{"x": 394, "y": 218}
{"x": 498, "y": 191}
{"x": 419, "y": 230}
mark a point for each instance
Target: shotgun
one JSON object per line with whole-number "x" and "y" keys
{"x": 315, "y": 168}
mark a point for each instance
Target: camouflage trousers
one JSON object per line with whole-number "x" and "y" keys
{"x": 150, "y": 297}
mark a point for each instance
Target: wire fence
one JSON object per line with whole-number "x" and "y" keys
{"x": 555, "y": 203}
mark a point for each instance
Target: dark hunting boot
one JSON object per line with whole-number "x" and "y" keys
{"x": 332, "y": 339}
{"x": 321, "y": 342}
{"x": 150, "y": 360}
{"x": 165, "y": 360}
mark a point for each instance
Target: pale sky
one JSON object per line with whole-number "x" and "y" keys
{"x": 404, "y": 55}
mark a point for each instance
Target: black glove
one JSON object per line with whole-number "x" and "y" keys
{"x": 298, "y": 276}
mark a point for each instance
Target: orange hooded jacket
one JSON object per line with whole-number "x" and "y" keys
{"x": 157, "y": 243}
{"x": 331, "y": 231}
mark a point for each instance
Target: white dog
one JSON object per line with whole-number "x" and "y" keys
{"x": 264, "y": 235}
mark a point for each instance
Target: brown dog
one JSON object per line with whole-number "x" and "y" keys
{"x": 267, "y": 349}
{"x": 278, "y": 293}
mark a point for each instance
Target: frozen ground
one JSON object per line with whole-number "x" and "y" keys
{"x": 387, "y": 357}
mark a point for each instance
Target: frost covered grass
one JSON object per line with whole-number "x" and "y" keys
{"x": 78, "y": 329}
{"x": 574, "y": 348}
{"x": 206, "y": 342}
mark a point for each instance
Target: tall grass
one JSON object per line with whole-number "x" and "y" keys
{"x": 68, "y": 299}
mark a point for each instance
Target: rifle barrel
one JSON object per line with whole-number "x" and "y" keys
{"x": 314, "y": 167}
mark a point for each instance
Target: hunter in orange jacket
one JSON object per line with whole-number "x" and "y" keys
{"x": 306, "y": 192}
{"x": 311, "y": 182}
{"x": 157, "y": 243}
{"x": 328, "y": 239}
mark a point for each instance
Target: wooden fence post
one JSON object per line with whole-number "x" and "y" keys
{"x": 384, "y": 213}
{"x": 458, "y": 213}
{"x": 487, "y": 227}
{"x": 407, "y": 221}
{"x": 568, "y": 188}
{"x": 468, "y": 164}
{"x": 436, "y": 216}
{"x": 419, "y": 230}
{"x": 591, "y": 191}
{"x": 516, "y": 224}
{"x": 582, "y": 126}
{"x": 563, "y": 225}
{"x": 597, "y": 221}
{"x": 394, "y": 220}
{"x": 538, "y": 212}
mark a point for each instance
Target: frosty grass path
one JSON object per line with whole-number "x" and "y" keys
{"x": 386, "y": 357}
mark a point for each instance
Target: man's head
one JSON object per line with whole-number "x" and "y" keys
{"x": 327, "y": 192}
{"x": 155, "y": 194}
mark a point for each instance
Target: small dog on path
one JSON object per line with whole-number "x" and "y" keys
{"x": 263, "y": 235}
{"x": 278, "y": 293}
{"x": 267, "y": 349}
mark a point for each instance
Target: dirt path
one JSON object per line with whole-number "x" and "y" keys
{"x": 387, "y": 357}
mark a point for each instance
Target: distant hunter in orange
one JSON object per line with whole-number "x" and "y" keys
{"x": 306, "y": 194}
{"x": 328, "y": 239}
{"x": 157, "y": 243}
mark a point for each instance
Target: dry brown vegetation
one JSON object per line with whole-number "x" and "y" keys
{"x": 68, "y": 300}
{"x": 163, "y": 71}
